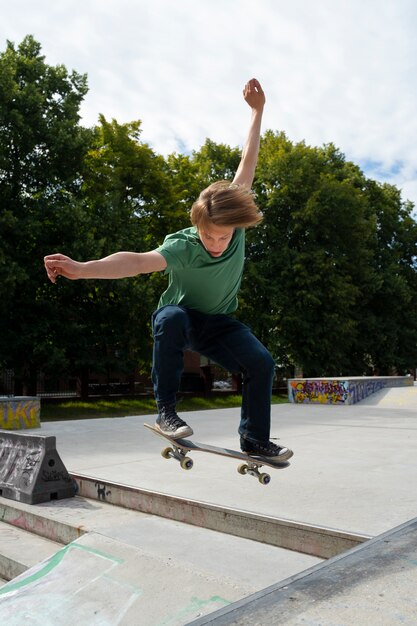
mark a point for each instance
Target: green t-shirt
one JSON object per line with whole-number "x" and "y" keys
{"x": 196, "y": 279}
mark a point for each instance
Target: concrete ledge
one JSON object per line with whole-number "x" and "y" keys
{"x": 374, "y": 583}
{"x": 19, "y": 412}
{"x": 20, "y": 550}
{"x": 341, "y": 390}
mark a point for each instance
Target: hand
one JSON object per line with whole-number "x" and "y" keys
{"x": 61, "y": 265}
{"x": 254, "y": 94}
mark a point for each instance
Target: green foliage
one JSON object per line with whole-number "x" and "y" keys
{"x": 320, "y": 264}
{"x": 389, "y": 324}
{"x": 41, "y": 154}
{"x": 75, "y": 409}
{"x": 215, "y": 162}
{"x": 126, "y": 192}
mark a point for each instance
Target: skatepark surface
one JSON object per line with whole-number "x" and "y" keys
{"x": 354, "y": 469}
{"x": 349, "y": 461}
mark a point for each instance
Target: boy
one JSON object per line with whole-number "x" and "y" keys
{"x": 204, "y": 264}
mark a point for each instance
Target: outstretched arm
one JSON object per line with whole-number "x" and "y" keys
{"x": 255, "y": 98}
{"x": 118, "y": 265}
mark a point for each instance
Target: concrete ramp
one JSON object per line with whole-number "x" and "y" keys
{"x": 102, "y": 582}
{"x": 395, "y": 398}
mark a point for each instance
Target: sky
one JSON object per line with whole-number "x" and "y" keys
{"x": 339, "y": 71}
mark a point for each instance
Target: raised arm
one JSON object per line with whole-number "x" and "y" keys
{"x": 255, "y": 98}
{"x": 118, "y": 265}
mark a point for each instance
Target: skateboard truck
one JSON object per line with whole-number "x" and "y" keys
{"x": 253, "y": 470}
{"x": 179, "y": 454}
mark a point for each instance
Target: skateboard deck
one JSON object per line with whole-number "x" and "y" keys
{"x": 251, "y": 464}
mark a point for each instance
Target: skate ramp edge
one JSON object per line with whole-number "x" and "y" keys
{"x": 374, "y": 583}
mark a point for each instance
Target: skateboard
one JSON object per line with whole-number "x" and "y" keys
{"x": 180, "y": 447}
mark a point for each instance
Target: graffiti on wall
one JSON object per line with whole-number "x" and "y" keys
{"x": 359, "y": 390}
{"x": 16, "y": 414}
{"x": 20, "y": 460}
{"x": 320, "y": 391}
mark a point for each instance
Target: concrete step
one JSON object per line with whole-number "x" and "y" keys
{"x": 132, "y": 568}
{"x": 97, "y": 580}
{"x": 20, "y": 550}
{"x": 196, "y": 548}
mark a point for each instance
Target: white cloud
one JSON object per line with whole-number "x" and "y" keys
{"x": 333, "y": 71}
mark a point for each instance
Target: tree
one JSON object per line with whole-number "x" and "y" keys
{"x": 215, "y": 162}
{"x": 309, "y": 262}
{"x": 41, "y": 152}
{"x": 389, "y": 324}
{"x": 128, "y": 195}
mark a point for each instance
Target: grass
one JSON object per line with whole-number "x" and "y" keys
{"x": 77, "y": 409}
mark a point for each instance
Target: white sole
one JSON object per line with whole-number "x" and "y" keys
{"x": 187, "y": 432}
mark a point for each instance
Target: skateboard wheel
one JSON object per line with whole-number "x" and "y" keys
{"x": 242, "y": 469}
{"x": 166, "y": 453}
{"x": 264, "y": 479}
{"x": 186, "y": 463}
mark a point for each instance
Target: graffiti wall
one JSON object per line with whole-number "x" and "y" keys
{"x": 341, "y": 390}
{"x": 18, "y": 413}
{"x": 359, "y": 390}
{"x": 319, "y": 391}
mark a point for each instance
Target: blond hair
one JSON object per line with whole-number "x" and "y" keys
{"x": 225, "y": 204}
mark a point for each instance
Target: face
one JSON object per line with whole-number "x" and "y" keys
{"x": 216, "y": 239}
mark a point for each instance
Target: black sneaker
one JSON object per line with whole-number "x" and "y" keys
{"x": 275, "y": 453}
{"x": 171, "y": 425}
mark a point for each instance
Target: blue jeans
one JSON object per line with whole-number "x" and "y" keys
{"x": 224, "y": 340}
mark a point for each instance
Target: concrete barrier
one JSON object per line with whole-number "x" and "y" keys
{"x": 341, "y": 390}
{"x": 31, "y": 469}
{"x": 19, "y": 412}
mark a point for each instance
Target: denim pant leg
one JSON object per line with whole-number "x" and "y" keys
{"x": 171, "y": 329}
{"x": 232, "y": 345}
